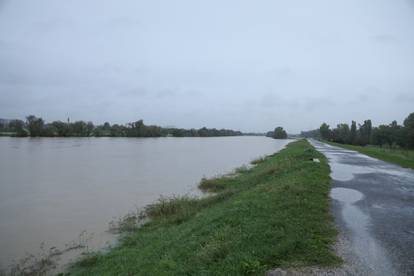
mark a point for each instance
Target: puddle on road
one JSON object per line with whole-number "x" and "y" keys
{"x": 345, "y": 166}
{"x": 346, "y": 172}
{"x": 343, "y": 170}
{"x": 346, "y": 195}
{"x": 364, "y": 245}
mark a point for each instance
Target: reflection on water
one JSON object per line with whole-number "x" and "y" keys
{"x": 52, "y": 189}
{"x": 346, "y": 195}
{"x": 364, "y": 245}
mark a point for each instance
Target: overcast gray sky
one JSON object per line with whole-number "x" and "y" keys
{"x": 248, "y": 65}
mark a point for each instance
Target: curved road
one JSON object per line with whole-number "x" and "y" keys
{"x": 373, "y": 204}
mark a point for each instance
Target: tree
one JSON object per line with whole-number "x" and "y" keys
{"x": 18, "y": 127}
{"x": 341, "y": 134}
{"x": 50, "y": 131}
{"x": 203, "y": 132}
{"x": 325, "y": 131}
{"x": 315, "y": 133}
{"x": 391, "y": 134}
{"x": 365, "y": 133}
{"x": 107, "y": 126}
{"x": 79, "y": 129}
{"x": 397, "y": 134}
{"x": 409, "y": 130}
{"x": 89, "y": 129}
{"x": 136, "y": 129}
{"x": 61, "y": 129}
{"x": 353, "y": 133}
{"x": 279, "y": 133}
{"x": 269, "y": 134}
{"x": 35, "y": 125}
{"x": 382, "y": 135}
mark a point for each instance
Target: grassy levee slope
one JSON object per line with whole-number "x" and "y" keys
{"x": 275, "y": 214}
{"x": 401, "y": 157}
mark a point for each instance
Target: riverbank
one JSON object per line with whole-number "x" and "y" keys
{"x": 275, "y": 214}
{"x": 401, "y": 157}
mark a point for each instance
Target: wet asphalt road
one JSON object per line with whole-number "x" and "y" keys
{"x": 373, "y": 204}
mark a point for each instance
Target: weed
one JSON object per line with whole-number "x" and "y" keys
{"x": 258, "y": 161}
{"x": 215, "y": 184}
{"x": 88, "y": 260}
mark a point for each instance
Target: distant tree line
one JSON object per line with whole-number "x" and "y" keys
{"x": 36, "y": 127}
{"x": 278, "y": 133}
{"x": 392, "y": 135}
{"x": 16, "y": 127}
{"x": 311, "y": 134}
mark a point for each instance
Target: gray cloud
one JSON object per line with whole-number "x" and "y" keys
{"x": 234, "y": 64}
{"x": 317, "y": 103}
{"x": 272, "y": 100}
{"x": 405, "y": 98}
{"x": 385, "y": 38}
{"x": 122, "y": 22}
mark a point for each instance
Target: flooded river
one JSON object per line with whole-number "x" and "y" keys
{"x": 54, "y": 189}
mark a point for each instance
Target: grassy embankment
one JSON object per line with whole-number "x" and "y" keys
{"x": 402, "y": 157}
{"x": 275, "y": 214}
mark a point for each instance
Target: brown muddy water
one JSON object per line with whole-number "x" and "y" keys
{"x": 55, "y": 192}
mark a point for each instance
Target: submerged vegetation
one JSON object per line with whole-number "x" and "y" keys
{"x": 275, "y": 214}
{"x": 47, "y": 259}
{"x": 36, "y": 127}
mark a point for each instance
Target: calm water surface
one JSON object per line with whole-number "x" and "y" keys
{"x": 52, "y": 189}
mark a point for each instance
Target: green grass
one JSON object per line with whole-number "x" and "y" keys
{"x": 275, "y": 214}
{"x": 402, "y": 157}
